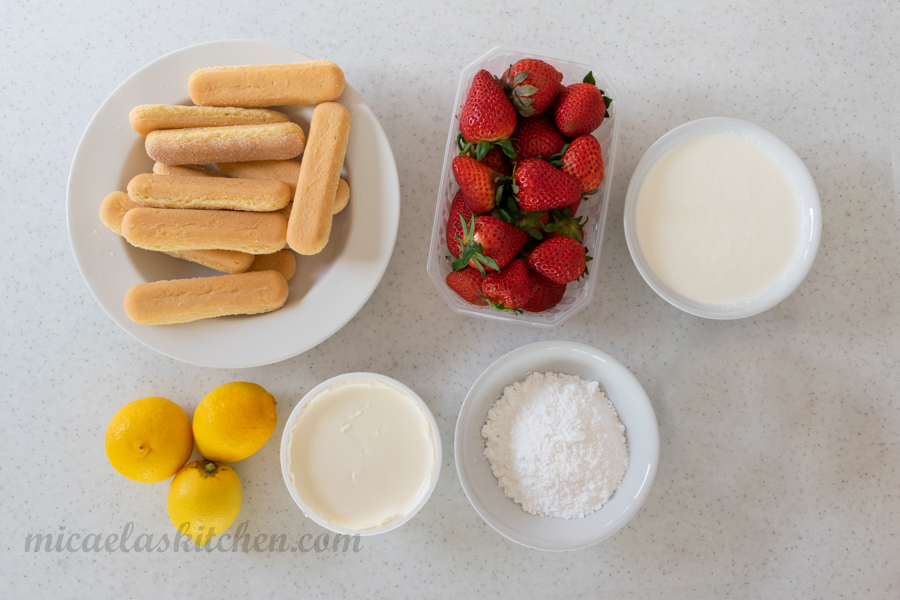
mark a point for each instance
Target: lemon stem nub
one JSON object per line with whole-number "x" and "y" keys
{"x": 210, "y": 467}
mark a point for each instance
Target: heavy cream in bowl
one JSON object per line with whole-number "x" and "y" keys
{"x": 361, "y": 454}
{"x": 722, "y": 218}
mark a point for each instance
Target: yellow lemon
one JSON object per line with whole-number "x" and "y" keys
{"x": 233, "y": 421}
{"x": 149, "y": 439}
{"x": 204, "y": 500}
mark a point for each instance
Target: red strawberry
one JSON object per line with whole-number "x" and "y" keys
{"x": 531, "y": 223}
{"x": 565, "y": 223}
{"x": 560, "y": 259}
{"x": 467, "y": 283}
{"x": 537, "y": 137}
{"x": 531, "y": 85}
{"x": 478, "y": 183}
{"x": 510, "y": 288}
{"x": 545, "y": 294}
{"x": 498, "y": 161}
{"x": 487, "y": 115}
{"x": 459, "y": 208}
{"x": 583, "y": 160}
{"x": 540, "y": 186}
{"x": 489, "y": 243}
{"x": 580, "y": 108}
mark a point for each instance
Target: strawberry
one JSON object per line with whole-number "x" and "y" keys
{"x": 560, "y": 259}
{"x": 467, "y": 283}
{"x": 545, "y": 294}
{"x": 498, "y": 161}
{"x": 488, "y": 242}
{"x": 537, "y": 137}
{"x": 540, "y": 186}
{"x": 508, "y": 289}
{"x": 564, "y": 223}
{"x": 458, "y": 208}
{"x": 531, "y": 85}
{"x": 579, "y": 109}
{"x": 583, "y": 160}
{"x": 478, "y": 182}
{"x": 530, "y": 222}
{"x": 487, "y": 115}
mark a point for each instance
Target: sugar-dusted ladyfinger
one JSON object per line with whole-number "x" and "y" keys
{"x": 205, "y": 145}
{"x": 168, "y": 230}
{"x": 320, "y": 172}
{"x": 183, "y": 170}
{"x": 173, "y": 191}
{"x": 150, "y": 117}
{"x": 112, "y": 213}
{"x": 282, "y": 261}
{"x": 184, "y": 300}
{"x": 309, "y": 82}
{"x": 287, "y": 171}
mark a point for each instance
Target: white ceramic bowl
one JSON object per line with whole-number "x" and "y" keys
{"x": 641, "y": 433}
{"x": 285, "y": 448}
{"x": 578, "y": 293}
{"x": 810, "y": 219}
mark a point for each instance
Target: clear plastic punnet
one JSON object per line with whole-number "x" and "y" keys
{"x": 579, "y": 293}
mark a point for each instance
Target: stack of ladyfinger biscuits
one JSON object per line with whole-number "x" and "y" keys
{"x": 226, "y": 191}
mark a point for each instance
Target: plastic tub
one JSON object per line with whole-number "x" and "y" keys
{"x": 579, "y": 293}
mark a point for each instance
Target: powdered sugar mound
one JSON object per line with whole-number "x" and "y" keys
{"x": 556, "y": 445}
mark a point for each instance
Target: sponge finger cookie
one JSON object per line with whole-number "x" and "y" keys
{"x": 170, "y": 191}
{"x": 282, "y": 261}
{"x": 170, "y": 230}
{"x": 310, "y": 223}
{"x": 205, "y": 145}
{"x": 150, "y": 117}
{"x": 185, "y": 300}
{"x": 183, "y": 170}
{"x": 116, "y": 205}
{"x": 309, "y": 82}
{"x": 287, "y": 171}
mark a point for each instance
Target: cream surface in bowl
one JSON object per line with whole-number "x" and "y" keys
{"x": 722, "y": 218}
{"x": 360, "y": 454}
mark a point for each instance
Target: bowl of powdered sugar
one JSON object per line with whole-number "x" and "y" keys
{"x": 557, "y": 445}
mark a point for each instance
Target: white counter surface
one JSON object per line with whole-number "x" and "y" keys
{"x": 779, "y": 472}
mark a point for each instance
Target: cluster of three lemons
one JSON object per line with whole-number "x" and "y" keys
{"x": 151, "y": 439}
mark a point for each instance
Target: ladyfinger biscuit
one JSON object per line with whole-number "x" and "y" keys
{"x": 287, "y": 171}
{"x": 184, "y": 300}
{"x": 169, "y": 230}
{"x": 183, "y": 170}
{"x": 309, "y": 82}
{"x": 150, "y": 117}
{"x": 205, "y": 145}
{"x": 113, "y": 209}
{"x": 282, "y": 261}
{"x": 173, "y": 191}
{"x": 112, "y": 213}
{"x": 310, "y": 222}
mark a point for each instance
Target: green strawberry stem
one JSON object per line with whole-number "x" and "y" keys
{"x": 472, "y": 250}
{"x": 478, "y": 150}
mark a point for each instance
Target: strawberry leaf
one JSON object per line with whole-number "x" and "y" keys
{"x": 589, "y": 78}
{"x": 526, "y": 90}
{"x": 507, "y": 148}
{"x": 520, "y": 77}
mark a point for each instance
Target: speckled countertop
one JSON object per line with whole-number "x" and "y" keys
{"x": 780, "y": 434}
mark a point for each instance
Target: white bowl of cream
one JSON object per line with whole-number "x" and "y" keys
{"x": 361, "y": 454}
{"x": 722, "y": 218}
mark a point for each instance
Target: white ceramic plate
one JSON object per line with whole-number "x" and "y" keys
{"x": 635, "y": 412}
{"x": 327, "y": 290}
{"x": 286, "y": 449}
{"x": 810, "y": 217}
